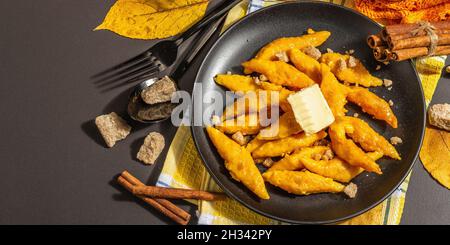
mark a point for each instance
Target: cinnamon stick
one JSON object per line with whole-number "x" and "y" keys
{"x": 409, "y": 35}
{"x": 415, "y": 42}
{"x": 404, "y": 54}
{"x": 380, "y": 54}
{"x": 408, "y": 28}
{"x": 164, "y": 206}
{"x": 374, "y": 41}
{"x": 175, "y": 193}
{"x": 166, "y": 203}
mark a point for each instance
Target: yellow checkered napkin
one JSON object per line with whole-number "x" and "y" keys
{"x": 183, "y": 167}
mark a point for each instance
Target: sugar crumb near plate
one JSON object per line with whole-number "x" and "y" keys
{"x": 439, "y": 116}
{"x": 151, "y": 149}
{"x": 342, "y": 65}
{"x": 355, "y": 115}
{"x": 312, "y": 52}
{"x": 351, "y": 62}
{"x": 391, "y": 103}
{"x": 387, "y": 82}
{"x": 112, "y": 128}
{"x": 268, "y": 162}
{"x": 350, "y": 190}
{"x": 396, "y": 140}
{"x": 327, "y": 155}
{"x": 282, "y": 56}
{"x": 329, "y": 50}
{"x": 377, "y": 68}
{"x": 240, "y": 138}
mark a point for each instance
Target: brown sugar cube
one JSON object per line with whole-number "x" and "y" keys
{"x": 439, "y": 116}
{"x": 112, "y": 128}
{"x": 350, "y": 190}
{"x": 160, "y": 91}
{"x": 312, "y": 52}
{"x": 152, "y": 147}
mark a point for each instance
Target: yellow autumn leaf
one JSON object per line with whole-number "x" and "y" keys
{"x": 153, "y": 19}
{"x": 435, "y": 154}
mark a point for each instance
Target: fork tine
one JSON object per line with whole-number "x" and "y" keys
{"x": 132, "y": 75}
{"x": 144, "y": 76}
{"x": 136, "y": 78}
{"x": 125, "y": 71}
{"x": 135, "y": 59}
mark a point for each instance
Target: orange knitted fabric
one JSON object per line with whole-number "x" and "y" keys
{"x": 411, "y": 5}
{"x": 407, "y": 11}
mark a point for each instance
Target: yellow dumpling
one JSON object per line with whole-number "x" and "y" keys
{"x": 302, "y": 182}
{"x": 280, "y": 73}
{"x": 239, "y": 162}
{"x": 334, "y": 92}
{"x": 335, "y": 168}
{"x": 306, "y": 64}
{"x": 236, "y": 83}
{"x": 246, "y": 124}
{"x": 287, "y": 145}
{"x": 285, "y": 126}
{"x": 354, "y": 73}
{"x": 289, "y": 162}
{"x": 269, "y": 51}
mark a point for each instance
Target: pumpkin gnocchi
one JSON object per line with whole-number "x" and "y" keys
{"x": 300, "y": 163}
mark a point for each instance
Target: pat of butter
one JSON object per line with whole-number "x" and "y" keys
{"x": 310, "y": 109}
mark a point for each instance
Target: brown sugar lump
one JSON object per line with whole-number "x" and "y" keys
{"x": 160, "y": 91}
{"x": 439, "y": 116}
{"x": 152, "y": 147}
{"x": 112, "y": 128}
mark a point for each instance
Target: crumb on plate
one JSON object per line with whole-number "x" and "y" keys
{"x": 351, "y": 62}
{"x": 350, "y": 190}
{"x": 396, "y": 140}
{"x": 240, "y": 138}
{"x": 268, "y": 162}
{"x": 313, "y": 52}
{"x": 282, "y": 56}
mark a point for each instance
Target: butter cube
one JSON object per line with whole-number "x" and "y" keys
{"x": 311, "y": 110}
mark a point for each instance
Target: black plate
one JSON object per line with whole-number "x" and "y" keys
{"x": 349, "y": 31}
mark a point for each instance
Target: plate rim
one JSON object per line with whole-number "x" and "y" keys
{"x": 235, "y": 197}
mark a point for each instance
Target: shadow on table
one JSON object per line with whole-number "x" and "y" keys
{"x": 90, "y": 129}
{"x": 134, "y": 148}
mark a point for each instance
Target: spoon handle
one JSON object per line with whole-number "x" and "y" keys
{"x": 213, "y": 15}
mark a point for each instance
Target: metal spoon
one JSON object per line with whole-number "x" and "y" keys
{"x": 145, "y": 113}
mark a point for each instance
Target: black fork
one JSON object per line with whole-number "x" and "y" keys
{"x": 159, "y": 57}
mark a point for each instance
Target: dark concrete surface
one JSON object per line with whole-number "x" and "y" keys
{"x": 55, "y": 167}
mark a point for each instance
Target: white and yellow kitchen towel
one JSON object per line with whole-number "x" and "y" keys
{"x": 183, "y": 167}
